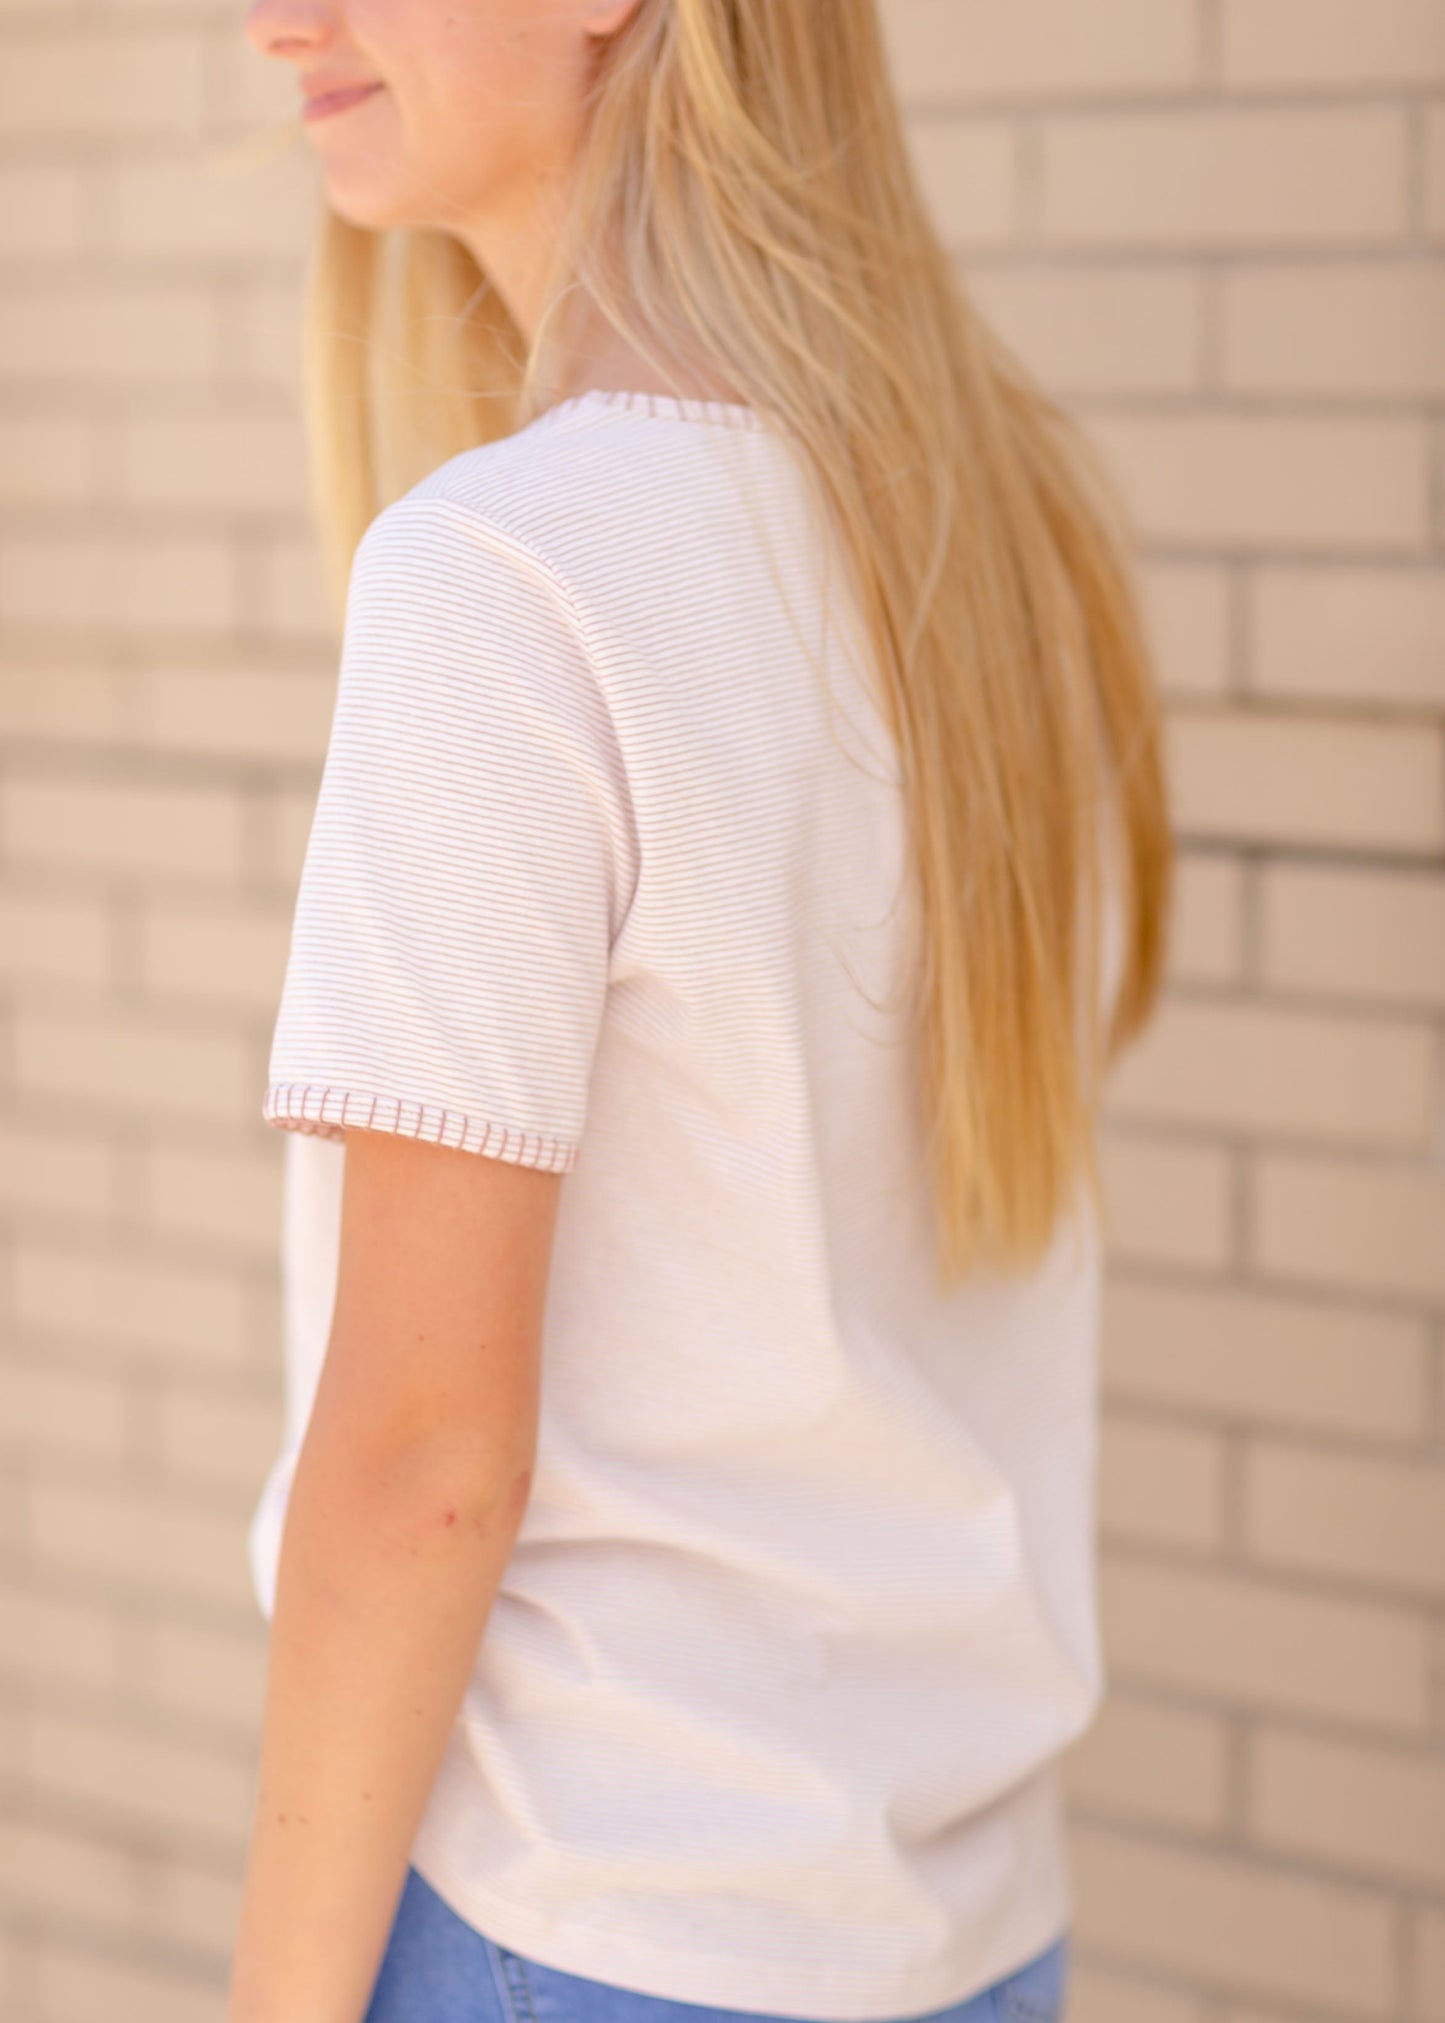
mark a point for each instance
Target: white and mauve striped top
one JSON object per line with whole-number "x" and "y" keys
{"x": 600, "y": 879}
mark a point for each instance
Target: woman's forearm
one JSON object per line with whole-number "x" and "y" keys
{"x": 386, "y": 1577}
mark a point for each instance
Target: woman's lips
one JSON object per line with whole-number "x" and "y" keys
{"x": 322, "y": 104}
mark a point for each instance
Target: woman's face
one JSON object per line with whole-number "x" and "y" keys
{"x": 459, "y": 114}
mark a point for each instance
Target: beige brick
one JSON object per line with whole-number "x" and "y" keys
{"x": 163, "y": 582}
{"x": 1099, "y": 329}
{"x": 217, "y": 1437}
{"x": 145, "y": 1780}
{"x": 159, "y": 1312}
{"x": 248, "y": 713}
{"x": 1335, "y": 1801}
{"x": 77, "y": 705}
{"x": 955, "y": 50}
{"x": 1372, "y": 635}
{"x": 109, "y": 334}
{"x": 1373, "y": 935}
{"x": 1265, "y": 1644}
{"x": 1249, "y": 2012}
{"x": 233, "y": 957}
{"x": 142, "y": 1542}
{"x": 1165, "y": 1204}
{"x": 1259, "y": 1069}
{"x": 1321, "y": 482}
{"x": 189, "y": 1905}
{"x": 1253, "y": 775}
{"x": 50, "y": 1410}
{"x": 1371, "y": 329}
{"x": 12, "y": 1542}
{"x": 1141, "y": 1761}
{"x": 1333, "y": 42}
{"x": 1435, "y": 169}
{"x": 287, "y": 826}
{"x": 17, "y": 1972}
{"x": 183, "y": 210}
{"x": 1206, "y": 942}
{"x": 1236, "y": 176}
{"x": 120, "y": 826}
{"x": 293, "y": 592}
{"x": 138, "y": 1066}
{"x": 237, "y": 463}
{"x": 969, "y": 179}
{"x": 1354, "y": 1226}
{"x": 42, "y": 213}
{"x": 14, "y": 1730}
{"x": 1259, "y": 1359}
{"x": 1159, "y": 1482}
{"x": 1186, "y": 613}
{"x": 52, "y": 1172}
{"x": 50, "y": 938}
{"x": 190, "y": 11}
{"x": 47, "y": 460}
{"x": 213, "y": 1675}
{"x": 48, "y": 1641}
{"x": 262, "y": 332}
{"x": 1240, "y": 1926}
{"x": 85, "y": 84}
{"x": 78, "y": 1987}
{"x": 1347, "y": 1516}
{"x": 228, "y": 1198}
{"x": 45, "y": 1868}
{"x": 1099, "y": 1995}
{"x": 1429, "y": 1959}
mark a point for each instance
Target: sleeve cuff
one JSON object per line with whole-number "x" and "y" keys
{"x": 330, "y": 1112}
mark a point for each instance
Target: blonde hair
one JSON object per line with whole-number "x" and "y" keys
{"x": 745, "y": 199}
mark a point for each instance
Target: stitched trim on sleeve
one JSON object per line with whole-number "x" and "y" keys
{"x": 330, "y": 1113}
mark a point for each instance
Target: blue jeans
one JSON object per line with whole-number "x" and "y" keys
{"x": 439, "y": 1969}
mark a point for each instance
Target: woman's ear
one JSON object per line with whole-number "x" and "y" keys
{"x": 602, "y": 18}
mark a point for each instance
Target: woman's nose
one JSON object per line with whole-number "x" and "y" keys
{"x": 290, "y": 28}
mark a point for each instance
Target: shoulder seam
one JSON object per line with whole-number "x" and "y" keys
{"x": 504, "y": 538}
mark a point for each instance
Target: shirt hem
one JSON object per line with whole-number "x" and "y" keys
{"x": 328, "y": 1112}
{"x": 728, "y": 1981}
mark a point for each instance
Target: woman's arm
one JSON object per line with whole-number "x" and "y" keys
{"x": 408, "y": 1493}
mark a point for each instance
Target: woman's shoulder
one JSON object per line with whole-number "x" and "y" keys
{"x": 602, "y": 485}
{"x": 493, "y": 514}
{"x": 626, "y": 519}
{"x": 507, "y": 486}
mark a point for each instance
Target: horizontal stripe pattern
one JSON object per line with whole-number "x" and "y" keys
{"x": 608, "y": 873}
{"x": 468, "y": 861}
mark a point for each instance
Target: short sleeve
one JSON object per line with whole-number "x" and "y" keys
{"x": 470, "y": 859}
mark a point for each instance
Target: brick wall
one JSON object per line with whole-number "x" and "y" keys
{"x": 1215, "y": 226}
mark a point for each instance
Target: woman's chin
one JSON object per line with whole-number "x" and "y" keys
{"x": 367, "y": 204}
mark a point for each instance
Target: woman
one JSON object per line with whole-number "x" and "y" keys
{"x": 744, "y": 805}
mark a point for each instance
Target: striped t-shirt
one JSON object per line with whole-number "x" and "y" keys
{"x": 607, "y": 875}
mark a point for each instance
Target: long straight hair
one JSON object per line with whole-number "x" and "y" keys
{"x": 745, "y": 199}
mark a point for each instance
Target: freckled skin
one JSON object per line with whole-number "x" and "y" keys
{"x": 483, "y": 1522}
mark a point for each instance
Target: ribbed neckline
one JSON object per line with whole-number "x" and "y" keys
{"x": 661, "y": 406}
